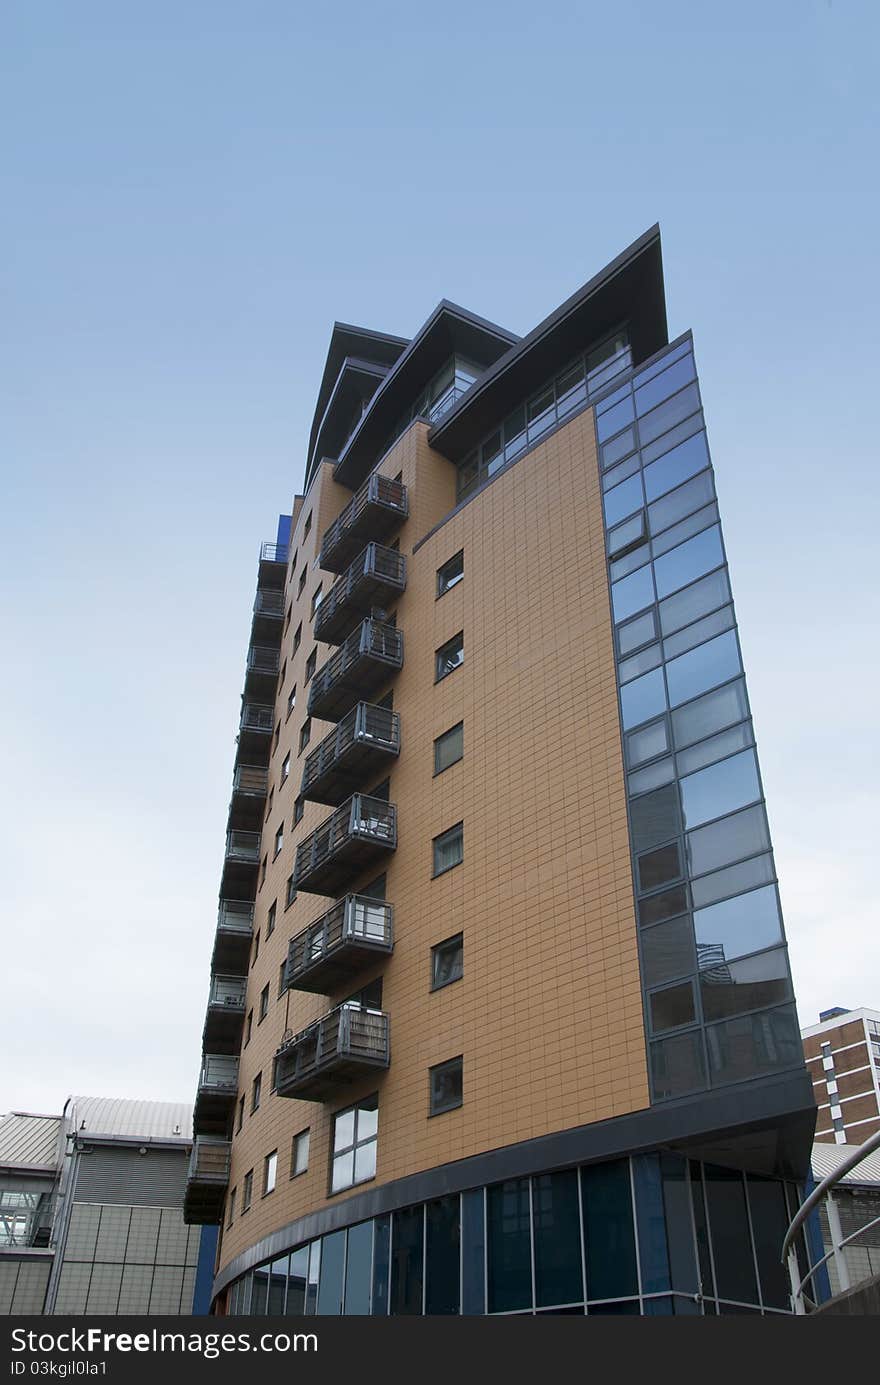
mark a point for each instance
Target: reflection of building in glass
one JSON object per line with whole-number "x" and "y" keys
{"x": 494, "y": 697}
{"x": 91, "y": 1211}
{"x": 843, "y": 1059}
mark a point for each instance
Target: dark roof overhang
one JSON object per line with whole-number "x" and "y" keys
{"x": 629, "y": 289}
{"x": 377, "y": 348}
{"x": 450, "y": 330}
{"x": 356, "y": 383}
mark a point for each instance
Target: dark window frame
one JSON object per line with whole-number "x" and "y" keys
{"x": 456, "y": 940}
{"x": 439, "y": 652}
{"x": 448, "y": 1065}
{"x": 444, "y": 587}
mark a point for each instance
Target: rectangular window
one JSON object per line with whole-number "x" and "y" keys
{"x": 298, "y": 809}
{"x": 291, "y": 700}
{"x": 449, "y": 656}
{"x": 230, "y": 1218}
{"x": 317, "y": 597}
{"x": 446, "y": 1086}
{"x": 355, "y": 1136}
{"x": 247, "y": 1190}
{"x": 299, "y": 1153}
{"x": 264, "y": 866}
{"x": 302, "y": 580}
{"x": 297, "y": 637}
{"x": 287, "y": 617}
{"x": 240, "y": 1121}
{"x": 285, "y": 767}
{"x": 447, "y": 962}
{"x": 449, "y": 848}
{"x": 270, "y": 918}
{"x": 264, "y": 1003}
{"x": 449, "y": 748}
{"x": 290, "y": 893}
{"x": 311, "y": 665}
{"x": 305, "y": 734}
{"x": 451, "y": 573}
{"x": 308, "y": 525}
{"x": 282, "y": 677}
{"x": 270, "y": 801}
{"x": 276, "y": 738}
{"x": 270, "y": 1172}
{"x": 256, "y": 1092}
{"x": 279, "y": 839}
{"x": 255, "y": 952}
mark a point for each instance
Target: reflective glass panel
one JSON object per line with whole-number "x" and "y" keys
{"x": 296, "y": 1282}
{"x": 631, "y": 593}
{"x": 664, "y": 905}
{"x": 442, "y": 1255}
{"x": 406, "y": 1262}
{"x": 637, "y": 632}
{"x": 720, "y": 789}
{"x": 709, "y": 664}
{"x": 708, "y": 889}
{"x": 381, "y": 1265}
{"x": 631, "y": 531}
{"x": 752, "y": 1044}
{"x": 617, "y": 448}
{"x": 330, "y": 1286}
{"x": 473, "y": 1258}
{"x": 646, "y": 743}
{"x": 358, "y": 1268}
{"x": 688, "y": 561}
{"x": 693, "y": 524}
{"x": 754, "y": 983}
{"x": 678, "y": 503}
{"x": 770, "y": 1221}
{"x": 677, "y": 1065}
{"x": 651, "y": 1223}
{"x": 609, "y": 1238}
{"x": 686, "y": 429}
{"x": 571, "y": 389}
{"x": 558, "y": 1274}
{"x": 700, "y": 631}
{"x": 649, "y": 371}
{"x": 655, "y": 818}
{"x": 733, "y": 839}
{"x": 667, "y": 951}
{"x": 731, "y": 1243}
{"x": 661, "y": 772}
{"x": 709, "y": 714}
{"x": 277, "y": 1286}
{"x": 666, "y": 415}
{"x": 694, "y": 601}
{"x": 737, "y": 926}
{"x": 515, "y": 432}
{"x": 614, "y": 419}
{"x": 636, "y": 557}
{"x": 665, "y": 384}
{"x": 715, "y": 748}
{"x": 639, "y": 663}
{"x": 659, "y": 866}
{"x": 509, "y": 1248}
{"x": 676, "y": 466}
{"x": 620, "y": 473}
{"x": 644, "y": 698}
{"x": 672, "y": 1007}
{"x": 623, "y": 499}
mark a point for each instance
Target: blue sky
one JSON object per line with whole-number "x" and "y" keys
{"x": 192, "y": 194}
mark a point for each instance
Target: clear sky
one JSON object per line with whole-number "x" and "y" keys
{"x": 191, "y": 194}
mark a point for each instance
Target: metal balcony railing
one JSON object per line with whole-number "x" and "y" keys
{"x": 256, "y": 716}
{"x": 269, "y": 603}
{"x": 252, "y": 780}
{"x": 801, "y": 1302}
{"x": 235, "y": 916}
{"x": 263, "y": 658}
{"x": 273, "y": 553}
{"x": 349, "y": 936}
{"x": 362, "y": 829}
{"x": 219, "y": 1073}
{"x": 243, "y": 846}
{"x": 314, "y": 1064}
{"x": 228, "y": 992}
{"x": 209, "y": 1160}
{"x": 378, "y": 508}
{"x": 375, "y": 578}
{"x": 359, "y": 667}
{"x": 232, "y": 940}
{"x": 357, "y": 747}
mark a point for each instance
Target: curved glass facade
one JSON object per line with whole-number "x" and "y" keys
{"x": 654, "y": 1234}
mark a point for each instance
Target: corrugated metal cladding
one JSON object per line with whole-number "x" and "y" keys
{"x": 27, "y": 1139}
{"x": 129, "y": 1179}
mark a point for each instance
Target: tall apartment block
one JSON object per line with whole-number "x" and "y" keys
{"x": 843, "y": 1059}
{"x": 501, "y": 1018}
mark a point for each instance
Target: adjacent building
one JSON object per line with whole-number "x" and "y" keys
{"x": 843, "y": 1059}
{"x": 91, "y": 1211}
{"x": 500, "y": 1015}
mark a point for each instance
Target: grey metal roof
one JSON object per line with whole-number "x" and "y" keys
{"x": 29, "y": 1140}
{"x": 826, "y": 1158}
{"x": 97, "y": 1115}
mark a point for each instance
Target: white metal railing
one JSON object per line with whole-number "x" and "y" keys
{"x": 839, "y": 1242}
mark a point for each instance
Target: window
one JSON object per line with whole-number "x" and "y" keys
{"x": 269, "y": 803}
{"x": 282, "y": 677}
{"x": 282, "y": 970}
{"x": 355, "y": 1135}
{"x": 256, "y": 1092}
{"x": 247, "y": 1190}
{"x": 290, "y": 894}
{"x": 449, "y": 848}
{"x": 302, "y": 580}
{"x": 270, "y": 918}
{"x": 285, "y": 767}
{"x": 308, "y": 525}
{"x": 231, "y": 1208}
{"x": 317, "y": 597}
{"x": 287, "y": 617}
{"x": 263, "y": 868}
{"x": 311, "y": 665}
{"x": 279, "y": 839}
{"x": 305, "y": 734}
{"x": 451, "y": 573}
{"x": 291, "y": 700}
{"x": 255, "y": 951}
{"x": 447, "y": 962}
{"x": 270, "y": 1171}
{"x": 240, "y": 1121}
{"x": 276, "y": 738}
{"x": 298, "y": 809}
{"x": 297, "y": 637}
{"x": 445, "y": 1086}
{"x": 299, "y": 1154}
{"x": 264, "y": 1003}
{"x": 449, "y": 656}
{"x": 449, "y": 748}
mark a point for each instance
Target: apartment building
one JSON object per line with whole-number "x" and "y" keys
{"x": 842, "y": 1053}
{"x": 500, "y": 1015}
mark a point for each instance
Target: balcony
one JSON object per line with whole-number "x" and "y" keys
{"x": 319, "y": 1063}
{"x": 331, "y": 951}
{"x": 255, "y": 734}
{"x": 233, "y": 938}
{"x": 360, "y": 832}
{"x": 273, "y": 565}
{"x": 216, "y": 1094}
{"x": 240, "y": 865}
{"x": 250, "y": 784}
{"x": 207, "y": 1179}
{"x": 261, "y": 672}
{"x": 378, "y": 509}
{"x": 268, "y": 617}
{"x": 225, "y": 1017}
{"x": 355, "y": 750}
{"x": 359, "y": 667}
{"x": 375, "y": 579}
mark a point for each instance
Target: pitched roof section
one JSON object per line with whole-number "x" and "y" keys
{"x": 140, "y": 1120}
{"x": 29, "y": 1141}
{"x": 629, "y": 289}
{"x": 378, "y": 348}
{"x": 450, "y": 330}
{"x": 826, "y": 1158}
